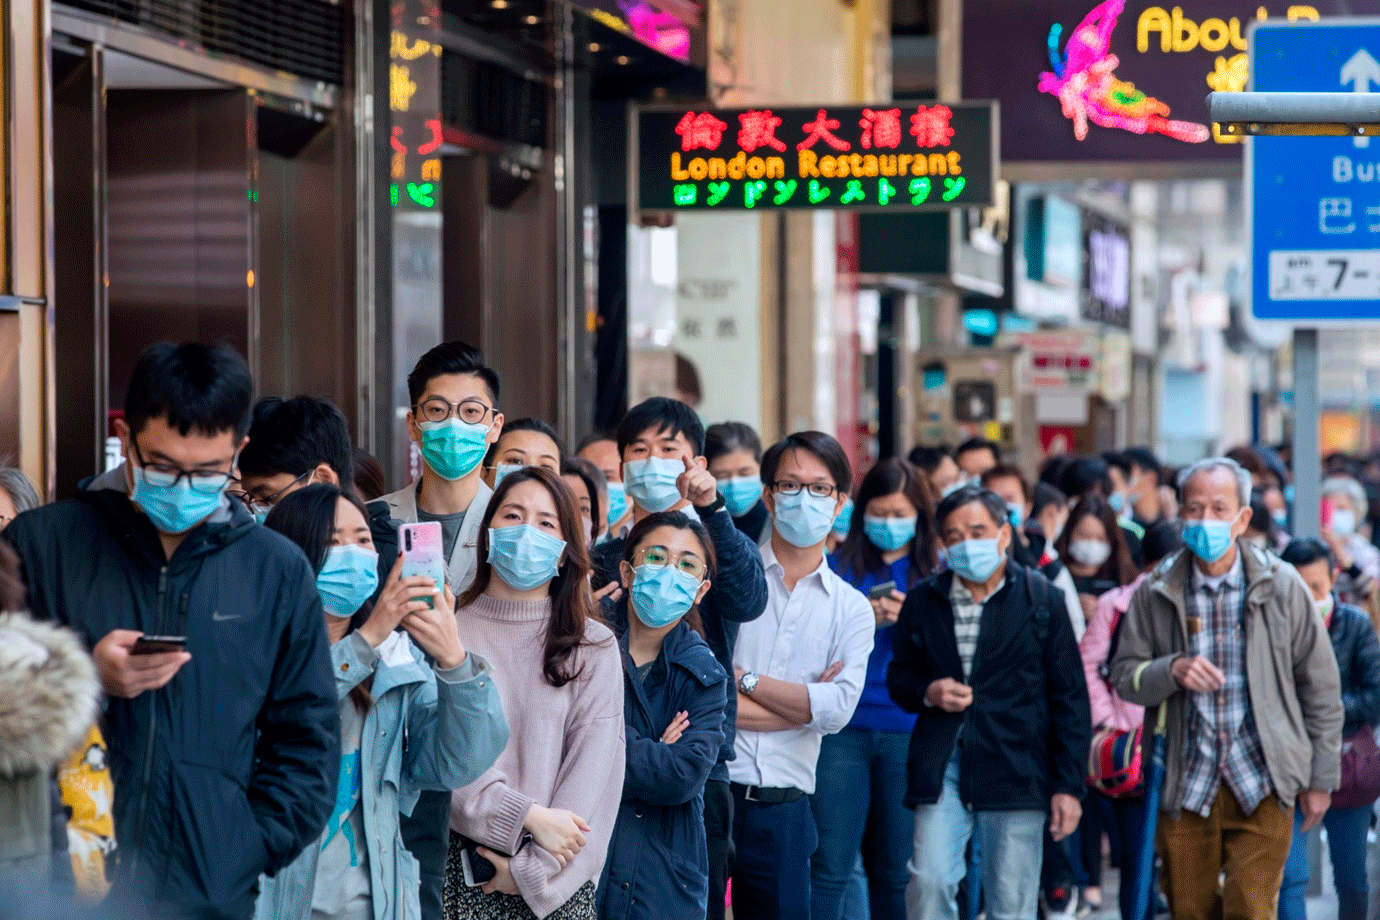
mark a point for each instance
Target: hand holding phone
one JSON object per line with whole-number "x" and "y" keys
{"x": 877, "y": 592}
{"x": 126, "y": 674}
{"x": 422, "y": 552}
{"x": 400, "y": 596}
{"x": 156, "y": 645}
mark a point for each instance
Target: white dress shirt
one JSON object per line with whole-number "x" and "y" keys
{"x": 800, "y": 634}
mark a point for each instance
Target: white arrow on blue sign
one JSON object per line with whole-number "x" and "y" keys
{"x": 1315, "y": 201}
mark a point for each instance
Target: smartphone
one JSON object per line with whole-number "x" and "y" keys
{"x": 1325, "y": 515}
{"x": 156, "y": 645}
{"x": 422, "y": 553}
{"x": 877, "y": 592}
{"x": 477, "y": 869}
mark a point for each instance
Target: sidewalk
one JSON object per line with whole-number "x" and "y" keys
{"x": 1323, "y": 907}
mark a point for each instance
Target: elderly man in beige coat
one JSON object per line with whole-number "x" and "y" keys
{"x": 1227, "y": 638}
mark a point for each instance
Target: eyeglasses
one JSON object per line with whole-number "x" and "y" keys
{"x": 817, "y": 489}
{"x": 472, "y": 411}
{"x": 258, "y": 505}
{"x": 659, "y": 557}
{"x": 164, "y": 475}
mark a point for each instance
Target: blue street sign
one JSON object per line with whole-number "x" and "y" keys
{"x": 1315, "y": 201}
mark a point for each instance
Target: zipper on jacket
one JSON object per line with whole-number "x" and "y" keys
{"x": 141, "y": 817}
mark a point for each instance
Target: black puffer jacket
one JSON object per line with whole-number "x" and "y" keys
{"x": 1358, "y": 662}
{"x": 1026, "y": 733}
{"x": 230, "y": 769}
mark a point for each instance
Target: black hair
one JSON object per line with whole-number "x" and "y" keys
{"x": 595, "y": 484}
{"x": 595, "y": 437}
{"x": 1145, "y": 458}
{"x": 1118, "y": 461}
{"x": 525, "y": 424}
{"x": 1306, "y": 551}
{"x": 296, "y": 435}
{"x": 857, "y": 555}
{"x": 827, "y": 450}
{"x": 973, "y": 444}
{"x": 993, "y": 503}
{"x": 1260, "y": 515}
{"x": 1053, "y": 469}
{"x": 450, "y": 358}
{"x": 680, "y": 521}
{"x": 369, "y": 479}
{"x": 928, "y": 458}
{"x": 1162, "y": 540}
{"x": 1007, "y": 471}
{"x": 666, "y": 417}
{"x": 688, "y": 378}
{"x": 1084, "y": 475}
{"x": 727, "y": 437}
{"x": 206, "y": 388}
{"x": 1043, "y": 495}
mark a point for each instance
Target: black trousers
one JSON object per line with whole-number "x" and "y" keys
{"x": 718, "y": 830}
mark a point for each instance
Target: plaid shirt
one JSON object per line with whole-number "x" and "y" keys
{"x": 967, "y": 620}
{"x": 1222, "y": 742}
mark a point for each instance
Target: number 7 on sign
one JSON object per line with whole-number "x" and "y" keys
{"x": 1341, "y": 266}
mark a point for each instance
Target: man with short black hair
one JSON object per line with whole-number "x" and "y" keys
{"x": 1147, "y": 475}
{"x": 293, "y": 443}
{"x": 976, "y": 456}
{"x": 963, "y": 660}
{"x": 800, "y": 671}
{"x": 225, "y": 753}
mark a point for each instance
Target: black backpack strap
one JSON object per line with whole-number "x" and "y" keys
{"x": 1038, "y": 596}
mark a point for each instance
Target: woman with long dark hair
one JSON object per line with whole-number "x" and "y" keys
{"x": 1094, "y": 549}
{"x": 862, "y": 769}
{"x": 674, "y": 696}
{"x": 434, "y": 726}
{"x": 537, "y": 825}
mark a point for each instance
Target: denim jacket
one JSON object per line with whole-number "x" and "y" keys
{"x": 424, "y": 730}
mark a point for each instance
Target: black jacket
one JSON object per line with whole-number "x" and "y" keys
{"x": 230, "y": 769}
{"x": 737, "y": 595}
{"x": 1026, "y": 735}
{"x": 1358, "y": 663}
{"x": 658, "y": 865}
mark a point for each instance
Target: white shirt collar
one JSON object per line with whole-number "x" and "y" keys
{"x": 771, "y": 564}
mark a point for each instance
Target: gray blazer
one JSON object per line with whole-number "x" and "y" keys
{"x": 463, "y": 561}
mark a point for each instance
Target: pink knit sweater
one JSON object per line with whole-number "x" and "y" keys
{"x": 565, "y": 747}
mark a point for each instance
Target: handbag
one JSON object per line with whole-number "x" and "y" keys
{"x": 1360, "y": 771}
{"x": 1114, "y": 763}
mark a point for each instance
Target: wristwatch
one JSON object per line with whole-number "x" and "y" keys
{"x": 712, "y": 509}
{"x": 747, "y": 683}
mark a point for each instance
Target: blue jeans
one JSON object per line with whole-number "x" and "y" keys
{"x": 1012, "y": 844}
{"x": 771, "y": 868}
{"x": 1346, "y": 844}
{"x": 860, "y": 788}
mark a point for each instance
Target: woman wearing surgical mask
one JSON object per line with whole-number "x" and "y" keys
{"x": 523, "y": 442}
{"x": 430, "y": 726}
{"x": 540, "y": 820}
{"x": 674, "y": 697}
{"x": 1358, "y": 560}
{"x": 860, "y": 781}
{"x": 734, "y": 454}
{"x": 1357, "y": 652}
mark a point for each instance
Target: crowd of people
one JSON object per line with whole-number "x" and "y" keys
{"x": 670, "y": 674}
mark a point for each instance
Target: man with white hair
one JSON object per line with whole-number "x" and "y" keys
{"x": 1357, "y": 560}
{"x": 1227, "y": 637}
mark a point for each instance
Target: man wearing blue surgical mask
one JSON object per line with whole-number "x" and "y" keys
{"x": 985, "y": 654}
{"x": 454, "y": 420}
{"x": 1228, "y": 638}
{"x": 800, "y": 672}
{"x": 661, "y": 443}
{"x": 225, "y": 752}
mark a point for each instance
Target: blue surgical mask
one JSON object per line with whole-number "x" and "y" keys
{"x": 176, "y": 508}
{"x": 1280, "y": 517}
{"x": 1117, "y": 501}
{"x": 653, "y": 484}
{"x": 740, "y": 493}
{"x": 348, "y": 578}
{"x": 844, "y": 521}
{"x": 618, "y": 502}
{"x": 1015, "y": 514}
{"x": 804, "y": 519}
{"x": 1208, "y": 540}
{"x": 951, "y": 488}
{"x": 453, "y": 448}
{"x": 889, "y": 534}
{"x": 523, "y": 556}
{"x": 662, "y": 594}
{"x": 260, "y": 516}
{"x": 1289, "y": 494}
{"x": 503, "y": 469}
{"x": 975, "y": 560}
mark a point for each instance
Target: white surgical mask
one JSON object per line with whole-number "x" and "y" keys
{"x": 1091, "y": 553}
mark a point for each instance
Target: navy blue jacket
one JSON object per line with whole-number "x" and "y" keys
{"x": 657, "y": 864}
{"x": 1027, "y": 732}
{"x": 738, "y": 595}
{"x": 1358, "y": 665}
{"x": 229, "y": 770}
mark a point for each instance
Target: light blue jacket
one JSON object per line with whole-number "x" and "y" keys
{"x": 424, "y": 730}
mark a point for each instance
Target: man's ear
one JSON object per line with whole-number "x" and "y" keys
{"x": 325, "y": 474}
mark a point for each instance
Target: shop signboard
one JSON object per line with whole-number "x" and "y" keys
{"x": 1106, "y": 293}
{"x": 887, "y": 157}
{"x": 1062, "y": 360}
{"x": 673, "y": 27}
{"x": 1117, "y": 80}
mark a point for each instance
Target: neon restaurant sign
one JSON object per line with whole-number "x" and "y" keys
{"x": 885, "y": 157}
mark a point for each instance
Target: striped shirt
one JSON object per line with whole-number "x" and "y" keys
{"x": 1222, "y": 742}
{"x": 967, "y": 620}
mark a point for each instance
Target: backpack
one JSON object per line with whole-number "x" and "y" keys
{"x": 1039, "y": 605}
